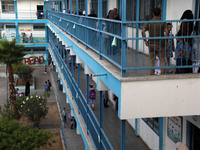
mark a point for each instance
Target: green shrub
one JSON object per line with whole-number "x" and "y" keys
{"x": 24, "y": 71}
{"x": 7, "y": 112}
{"x": 15, "y": 136}
{"x": 33, "y": 107}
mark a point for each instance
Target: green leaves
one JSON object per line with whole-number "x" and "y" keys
{"x": 10, "y": 53}
{"x": 33, "y": 107}
{"x": 15, "y": 136}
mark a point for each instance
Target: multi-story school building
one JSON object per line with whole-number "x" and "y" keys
{"x": 163, "y": 110}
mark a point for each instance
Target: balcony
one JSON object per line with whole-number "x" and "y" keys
{"x": 128, "y": 52}
{"x": 125, "y": 49}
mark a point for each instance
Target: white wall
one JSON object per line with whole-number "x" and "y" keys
{"x": 112, "y": 4}
{"x": 164, "y": 97}
{"x": 27, "y": 9}
{"x": 149, "y": 136}
{"x": 175, "y": 8}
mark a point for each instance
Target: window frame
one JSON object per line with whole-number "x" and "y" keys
{"x": 40, "y": 27}
{"x": 153, "y": 123}
{"x": 4, "y": 5}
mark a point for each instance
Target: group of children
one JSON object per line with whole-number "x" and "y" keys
{"x": 186, "y": 51}
{"x": 70, "y": 118}
{"x": 47, "y": 86}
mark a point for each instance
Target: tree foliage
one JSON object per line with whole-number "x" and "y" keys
{"x": 10, "y": 52}
{"x": 15, "y": 136}
{"x": 33, "y": 107}
{"x": 24, "y": 71}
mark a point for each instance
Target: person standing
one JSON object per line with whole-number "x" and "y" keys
{"x": 105, "y": 99}
{"x": 92, "y": 96}
{"x": 64, "y": 114}
{"x": 49, "y": 85}
{"x": 170, "y": 45}
{"x": 178, "y": 55}
{"x": 156, "y": 47}
{"x": 46, "y": 86}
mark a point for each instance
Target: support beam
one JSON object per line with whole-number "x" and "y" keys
{"x": 101, "y": 118}
{"x": 17, "y": 32}
{"x": 123, "y": 42}
{"x": 123, "y": 133}
{"x": 87, "y": 87}
{"x": 16, "y": 13}
{"x": 161, "y": 133}
{"x": 78, "y": 75}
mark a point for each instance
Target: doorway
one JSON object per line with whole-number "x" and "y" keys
{"x": 193, "y": 136}
{"x": 40, "y": 12}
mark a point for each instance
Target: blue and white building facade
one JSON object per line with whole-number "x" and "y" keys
{"x": 162, "y": 109}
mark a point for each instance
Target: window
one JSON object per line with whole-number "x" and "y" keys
{"x": 153, "y": 123}
{"x": 146, "y": 8}
{"x": 10, "y": 26}
{"x": 8, "y": 6}
{"x": 39, "y": 27}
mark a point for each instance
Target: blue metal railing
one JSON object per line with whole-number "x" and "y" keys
{"x": 88, "y": 116}
{"x": 135, "y": 55}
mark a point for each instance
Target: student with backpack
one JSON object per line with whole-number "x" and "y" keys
{"x": 49, "y": 85}
{"x": 92, "y": 96}
{"x": 178, "y": 54}
{"x": 64, "y": 114}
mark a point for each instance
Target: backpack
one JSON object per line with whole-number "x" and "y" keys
{"x": 92, "y": 94}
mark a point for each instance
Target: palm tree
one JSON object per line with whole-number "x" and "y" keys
{"x": 11, "y": 54}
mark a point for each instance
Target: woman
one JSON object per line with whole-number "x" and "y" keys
{"x": 186, "y": 29}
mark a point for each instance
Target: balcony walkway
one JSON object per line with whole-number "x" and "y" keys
{"x": 111, "y": 122}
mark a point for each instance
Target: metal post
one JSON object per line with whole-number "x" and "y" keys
{"x": 77, "y": 12}
{"x": 137, "y": 29}
{"x": 196, "y": 9}
{"x": 67, "y": 55}
{"x": 100, "y": 27}
{"x": 17, "y": 32}
{"x": 160, "y": 133}
{"x": 136, "y": 126}
{"x": 123, "y": 130}
{"x": 72, "y": 63}
{"x": 46, "y": 33}
{"x": 16, "y": 14}
{"x": 87, "y": 84}
{"x": 70, "y": 6}
{"x": 101, "y": 117}
{"x": 78, "y": 75}
{"x": 47, "y": 56}
{"x": 64, "y": 54}
{"x": 45, "y": 14}
{"x": 86, "y": 24}
{"x": 123, "y": 42}
{"x": 65, "y": 6}
{"x": 164, "y": 9}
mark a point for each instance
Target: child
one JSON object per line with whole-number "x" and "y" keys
{"x": 46, "y": 87}
{"x": 115, "y": 98}
{"x": 178, "y": 55}
{"x": 170, "y": 45}
{"x": 72, "y": 121}
{"x": 92, "y": 96}
{"x": 64, "y": 113}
